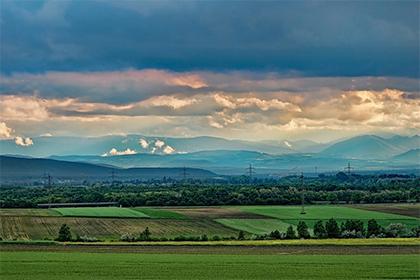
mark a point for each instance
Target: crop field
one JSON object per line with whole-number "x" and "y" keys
{"x": 157, "y": 213}
{"x": 111, "y": 222}
{"x": 255, "y": 226}
{"x": 283, "y": 216}
{"x": 77, "y": 265}
{"x": 36, "y": 228}
{"x": 412, "y": 210}
{"x": 105, "y": 212}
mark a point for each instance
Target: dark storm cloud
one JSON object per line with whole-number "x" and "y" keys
{"x": 312, "y": 38}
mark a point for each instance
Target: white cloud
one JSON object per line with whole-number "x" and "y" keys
{"x": 159, "y": 144}
{"x": 115, "y": 152}
{"x": 46, "y": 135}
{"x": 168, "y": 150}
{"x": 5, "y": 132}
{"x": 143, "y": 143}
{"x": 23, "y": 141}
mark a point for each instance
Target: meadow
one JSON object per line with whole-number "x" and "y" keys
{"x": 78, "y": 265}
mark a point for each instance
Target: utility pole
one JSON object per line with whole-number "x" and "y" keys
{"x": 184, "y": 173}
{"x": 302, "y": 194}
{"x": 250, "y": 171}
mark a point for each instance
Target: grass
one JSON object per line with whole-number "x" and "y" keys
{"x": 104, "y": 212}
{"x": 255, "y": 226}
{"x": 76, "y": 265}
{"x": 157, "y": 213}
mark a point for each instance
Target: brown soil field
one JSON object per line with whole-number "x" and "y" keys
{"x": 412, "y": 210}
{"x": 236, "y": 250}
{"x": 215, "y": 213}
{"x": 36, "y": 228}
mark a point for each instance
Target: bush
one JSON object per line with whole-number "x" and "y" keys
{"x": 351, "y": 234}
{"x": 319, "y": 230}
{"x": 85, "y": 238}
{"x": 127, "y": 237}
{"x": 241, "y": 235}
{"x": 145, "y": 235}
{"x": 373, "y": 228}
{"x": 204, "y": 237}
{"x": 275, "y": 234}
{"x": 64, "y": 233}
{"x": 216, "y": 238}
{"x": 396, "y": 230}
{"x": 302, "y": 230}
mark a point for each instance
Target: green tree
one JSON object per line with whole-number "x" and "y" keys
{"x": 319, "y": 230}
{"x": 64, "y": 233}
{"x": 333, "y": 231}
{"x": 373, "y": 228}
{"x": 290, "y": 233}
{"x": 302, "y": 230}
{"x": 145, "y": 235}
{"x": 241, "y": 235}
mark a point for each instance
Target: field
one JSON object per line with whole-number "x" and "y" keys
{"x": 104, "y": 212}
{"x": 78, "y": 265}
{"x": 284, "y": 216}
{"x": 108, "y": 223}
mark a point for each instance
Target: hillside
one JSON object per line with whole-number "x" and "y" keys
{"x": 30, "y": 169}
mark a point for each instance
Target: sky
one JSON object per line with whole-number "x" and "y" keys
{"x": 318, "y": 70}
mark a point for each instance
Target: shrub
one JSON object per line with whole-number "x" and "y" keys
{"x": 216, "y": 238}
{"x": 241, "y": 235}
{"x": 204, "y": 237}
{"x": 275, "y": 234}
{"x": 373, "y": 228}
{"x": 396, "y": 230}
{"x": 127, "y": 237}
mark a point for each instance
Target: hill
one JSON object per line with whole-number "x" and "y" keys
{"x": 412, "y": 156}
{"x": 34, "y": 169}
{"x": 370, "y": 147}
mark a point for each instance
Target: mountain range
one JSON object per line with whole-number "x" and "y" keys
{"x": 223, "y": 156}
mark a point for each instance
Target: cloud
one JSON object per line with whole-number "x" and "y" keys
{"x": 143, "y": 143}
{"x": 24, "y": 142}
{"x": 168, "y": 150}
{"x": 5, "y": 132}
{"x": 60, "y": 35}
{"x": 159, "y": 144}
{"x": 115, "y": 152}
{"x": 46, "y": 135}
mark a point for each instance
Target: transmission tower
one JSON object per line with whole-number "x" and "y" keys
{"x": 48, "y": 179}
{"x": 348, "y": 169}
{"x": 250, "y": 171}
{"x": 184, "y": 174}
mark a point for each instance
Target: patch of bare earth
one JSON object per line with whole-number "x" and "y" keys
{"x": 412, "y": 210}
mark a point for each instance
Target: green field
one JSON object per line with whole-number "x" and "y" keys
{"x": 156, "y": 213}
{"x": 115, "y": 212}
{"x": 284, "y": 216}
{"x": 76, "y": 265}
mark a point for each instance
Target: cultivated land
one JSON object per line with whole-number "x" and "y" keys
{"x": 107, "y": 223}
{"x": 78, "y": 265}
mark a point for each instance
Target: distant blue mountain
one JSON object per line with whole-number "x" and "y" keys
{"x": 14, "y": 169}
